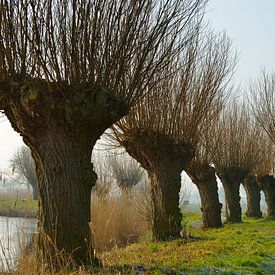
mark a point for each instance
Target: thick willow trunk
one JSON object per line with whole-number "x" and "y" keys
{"x": 203, "y": 176}
{"x": 231, "y": 179}
{"x": 253, "y": 197}
{"x": 163, "y": 159}
{"x": 66, "y": 177}
{"x": 267, "y": 185}
{"x": 61, "y": 128}
{"x": 232, "y": 197}
{"x": 167, "y": 217}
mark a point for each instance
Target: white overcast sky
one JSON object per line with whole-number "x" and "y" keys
{"x": 249, "y": 23}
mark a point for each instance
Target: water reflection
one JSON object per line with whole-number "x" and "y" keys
{"x": 15, "y": 235}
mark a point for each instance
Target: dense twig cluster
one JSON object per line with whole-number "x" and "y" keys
{"x": 236, "y": 140}
{"x": 183, "y": 105}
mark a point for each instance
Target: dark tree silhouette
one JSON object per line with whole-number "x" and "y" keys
{"x": 68, "y": 70}
{"x": 24, "y": 166}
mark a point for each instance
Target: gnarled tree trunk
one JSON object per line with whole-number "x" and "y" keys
{"x": 66, "y": 177}
{"x": 267, "y": 185}
{"x": 231, "y": 179}
{"x": 203, "y": 176}
{"x": 164, "y": 160}
{"x": 253, "y": 197}
{"x": 61, "y": 131}
{"x": 165, "y": 188}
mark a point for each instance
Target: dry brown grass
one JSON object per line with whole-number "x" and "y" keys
{"x": 116, "y": 222}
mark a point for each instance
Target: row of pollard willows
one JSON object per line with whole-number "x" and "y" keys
{"x": 239, "y": 150}
{"x": 164, "y": 132}
{"x": 68, "y": 71}
{"x": 184, "y": 126}
{"x": 233, "y": 147}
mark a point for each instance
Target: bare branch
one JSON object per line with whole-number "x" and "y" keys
{"x": 116, "y": 45}
{"x": 236, "y": 140}
{"x": 183, "y": 105}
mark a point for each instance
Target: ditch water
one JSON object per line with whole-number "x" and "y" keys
{"x": 15, "y": 235}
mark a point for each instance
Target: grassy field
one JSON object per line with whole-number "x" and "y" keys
{"x": 246, "y": 248}
{"x": 18, "y": 208}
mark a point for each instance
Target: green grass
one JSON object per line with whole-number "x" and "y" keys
{"x": 18, "y": 208}
{"x": 246, "y": 248}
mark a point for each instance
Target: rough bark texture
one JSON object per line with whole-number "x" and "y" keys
{"x": 267, "y": 185}
{"x": 164, "y": 161}
{"x": 66, "y": 178}
{"x": 61, "y": 129}
{"x": 204, "y": 177}
{"x": 167, "y": 217}
{"x": 231, "y": 179}
{"x": 253, "y": 197}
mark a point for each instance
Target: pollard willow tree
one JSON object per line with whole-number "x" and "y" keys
{"x": 203, "y": 175}
{"x": 264, "y": 174}
{"x": 251, "y": 183}
{"x": 68, "y": 70}
{"x": 263, "y": 103}
{"x": 235, "y": 152}
{"x": 163, "y": 131}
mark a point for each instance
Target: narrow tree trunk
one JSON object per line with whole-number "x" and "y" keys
{"x": 34, "y": 190}
{"x": 66, "y": 177}
{"x": 167, "y": 217}
{"x": 203, "y": 176}
{"x": 267, "y": 185}
{"x": 253, "y": 197}
{"x": 231, "y": 179}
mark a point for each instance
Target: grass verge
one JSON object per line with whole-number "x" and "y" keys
{"x": 246, "y": 248}
{"x": 18, "y": 208}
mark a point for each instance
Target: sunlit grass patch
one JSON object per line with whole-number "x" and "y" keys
{"x": 246, "y": 247}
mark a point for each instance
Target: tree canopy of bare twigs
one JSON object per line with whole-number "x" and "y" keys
{"x": 236, "y": 141}
{"x": 183, "y": 105}
{"x": 263, "y": 103}
{"x": 24, "y": 166}
{"x": 126, "y": 171}
{"x": 266, "y": 165}
{"x": 79, "y": 46}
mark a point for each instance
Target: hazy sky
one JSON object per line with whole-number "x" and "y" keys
{"x": 249, "y": 23}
